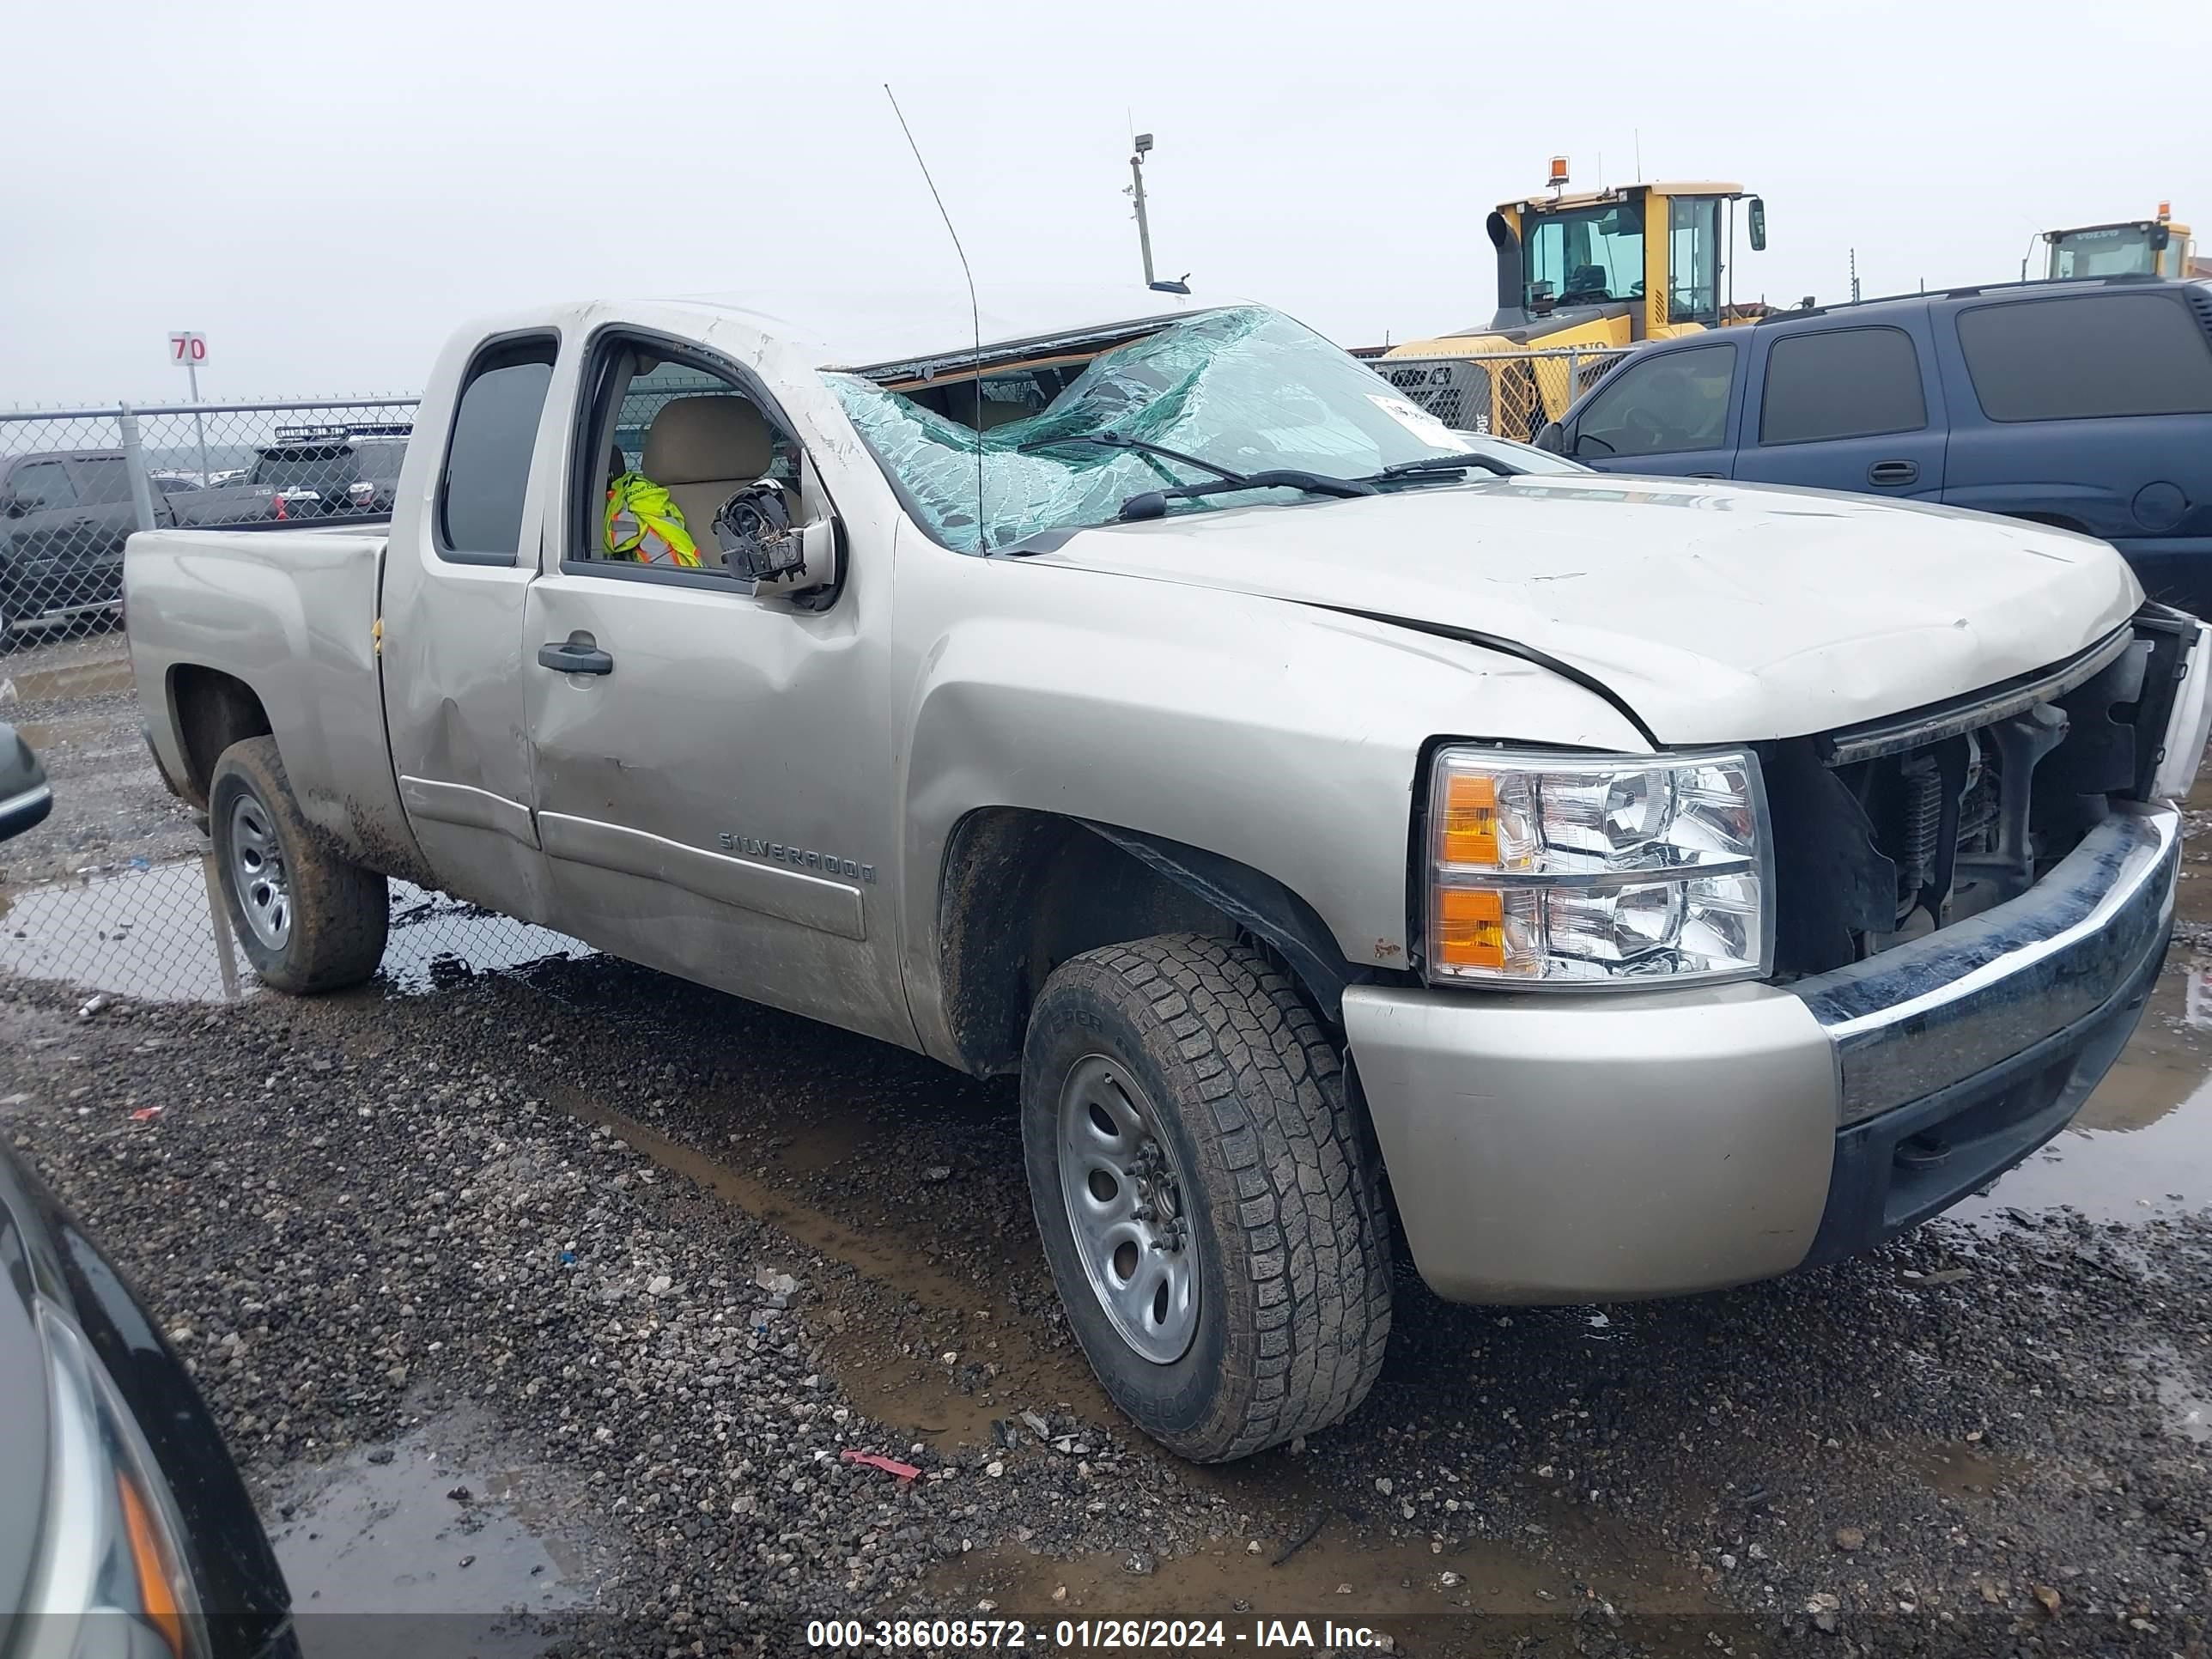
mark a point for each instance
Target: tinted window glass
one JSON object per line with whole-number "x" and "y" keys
{"x": 379, "y": 461}
{"x": 42, "y": 483}
{"x": 2087, "y": 354}
{"x": 1660, "y": 406}
{"x": 322, "y": 469}
{"x": 488, "y": 456}
{"x": 1841, "y": 383}
{"x": 105, "y": 482}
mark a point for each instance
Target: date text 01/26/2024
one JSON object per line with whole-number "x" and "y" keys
{"x": 1091, "y": 1635}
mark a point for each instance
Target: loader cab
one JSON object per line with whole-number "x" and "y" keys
{"x": 2135, "y": 247}
{"x": 1613, "y": 267}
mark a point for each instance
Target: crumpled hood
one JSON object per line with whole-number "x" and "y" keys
{"x": 1720, "y": 613}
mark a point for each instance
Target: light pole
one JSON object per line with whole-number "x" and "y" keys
{"x": 1137, "y": 189}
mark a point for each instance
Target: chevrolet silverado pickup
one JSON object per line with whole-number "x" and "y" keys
{"x": 1358, "y": 838}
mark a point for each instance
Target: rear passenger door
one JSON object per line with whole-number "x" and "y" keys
{"x": 108, "y": 516}
{"x": 1856, "y": 406}
{"x": 456, "y": 573}
{"x": 2091, "y": 409}
{"x": 1671, "y": 413}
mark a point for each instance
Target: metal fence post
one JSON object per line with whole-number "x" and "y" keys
{"x": 226, "y": 954}
{"x": 134, "y": 456}
{"x": 1574, "y": 377}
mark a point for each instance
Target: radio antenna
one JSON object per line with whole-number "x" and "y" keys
{"x": 975, "y": 312}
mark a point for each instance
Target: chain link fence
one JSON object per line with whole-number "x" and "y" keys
{"x": 74, "y": 484}
{"x": 1506, "y": 394}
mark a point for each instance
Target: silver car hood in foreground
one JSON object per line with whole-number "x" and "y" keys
{"x": 1718, "y": 612}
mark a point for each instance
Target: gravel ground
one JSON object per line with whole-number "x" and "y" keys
{"x": 562, "y": 1207}
{"x": 540, "y": 1304}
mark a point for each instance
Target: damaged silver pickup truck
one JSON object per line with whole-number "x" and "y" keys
{"x": 1356, "y": 835}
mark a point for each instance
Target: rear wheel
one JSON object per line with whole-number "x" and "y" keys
{"x": 306, "y": 920}
{"x": 1207, "y": 1199}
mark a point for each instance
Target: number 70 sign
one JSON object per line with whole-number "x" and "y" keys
{"x": 188, "y": 351}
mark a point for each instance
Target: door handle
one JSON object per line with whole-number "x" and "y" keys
{"x": 1893, "y": 472}
{"x": 574, "y": 655}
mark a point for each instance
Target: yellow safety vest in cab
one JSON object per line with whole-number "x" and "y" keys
{"x": 645, "y": 527}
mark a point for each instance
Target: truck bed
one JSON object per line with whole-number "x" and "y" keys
{"x": 289, "y": 615}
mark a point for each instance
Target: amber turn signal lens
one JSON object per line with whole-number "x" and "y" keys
{"x": 155, "y": 1595}
{"x": 1470, "y": 925}
{"x": 1470, "y": 827}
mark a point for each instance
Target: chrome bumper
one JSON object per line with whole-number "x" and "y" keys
{"x": 1545, "y": 1148}
{"x": 1929, "y": 1014}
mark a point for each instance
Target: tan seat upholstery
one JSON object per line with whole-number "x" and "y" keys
{"x": 701, "y": 449}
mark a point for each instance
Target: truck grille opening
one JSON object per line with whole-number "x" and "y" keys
{"x": 1886, "y": 832}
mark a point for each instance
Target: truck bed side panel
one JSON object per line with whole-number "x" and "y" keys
{"x": 292, "y": 615}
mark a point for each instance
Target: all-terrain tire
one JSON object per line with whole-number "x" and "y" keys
{"x": 1280, "y": 1190}
{"x": 337, "y": 913}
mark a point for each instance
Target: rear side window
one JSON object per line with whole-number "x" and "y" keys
{"x": 1841, "y": 383}
{"x": 103, "y": 480}
{"x": 488, "y": 455}
{"x": 2086, "y": 355}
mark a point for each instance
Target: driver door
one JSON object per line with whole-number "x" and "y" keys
{"x": 1673, "y": 413}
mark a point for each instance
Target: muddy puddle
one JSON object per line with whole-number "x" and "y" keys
{"x": 999, "y": 1364}
{"x": 2141, "y": 1147}
{"x": 450, "y": 1541}
{"x": 148, "y": 931}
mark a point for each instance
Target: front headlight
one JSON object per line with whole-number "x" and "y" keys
{"x": 1592, "y": 870}
{"x": 112, "y": 1578}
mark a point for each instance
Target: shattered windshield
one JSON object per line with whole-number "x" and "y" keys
{"x": 1247, "y": 390}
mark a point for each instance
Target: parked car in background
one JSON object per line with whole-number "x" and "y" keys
{"x": 64, "y": 516}
{"x": 124, "y": 1528}
{"x": 1637, "y": 886}
{"x": 2083, "y": 405}
{"x": 309, "y": 473}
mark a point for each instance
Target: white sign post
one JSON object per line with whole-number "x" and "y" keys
{"x": 187, "y": 351}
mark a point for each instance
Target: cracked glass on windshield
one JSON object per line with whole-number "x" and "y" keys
{"x": 1247, "y": 390}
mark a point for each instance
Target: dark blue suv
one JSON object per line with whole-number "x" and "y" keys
{"x": 2086, "y": 404}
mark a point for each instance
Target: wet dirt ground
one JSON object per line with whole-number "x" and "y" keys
{"x": 630, "y": 1264}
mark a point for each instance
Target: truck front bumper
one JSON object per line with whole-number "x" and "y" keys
{"x": 1562, "y": 1148}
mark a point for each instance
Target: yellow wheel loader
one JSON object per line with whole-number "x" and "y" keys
{"x": 2137, "y": 247}
{"x": 1580, "y": 277}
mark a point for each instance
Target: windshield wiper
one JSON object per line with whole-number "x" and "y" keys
{"x": 1153, "y": 503}
{"x": 1431, "y": 463}
{"x": 1122, "y": 441}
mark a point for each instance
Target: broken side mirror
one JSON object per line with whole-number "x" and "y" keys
{"x": 1758, "y": 224}
{"x": 1553, "y": 436}
{"x": 802, "y": 562}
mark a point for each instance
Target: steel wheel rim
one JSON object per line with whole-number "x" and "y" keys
{"x": 257, "y": 870}
{"x": 1129, "y": 1210}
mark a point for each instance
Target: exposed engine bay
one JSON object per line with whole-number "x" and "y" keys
{"x": 1886, "y": 832}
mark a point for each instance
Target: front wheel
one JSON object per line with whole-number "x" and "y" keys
{"x": 1207, "y": 1196}
{"x": 306, "y": 920}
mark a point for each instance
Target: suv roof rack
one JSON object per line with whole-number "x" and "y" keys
{"x": 2122, "y": 279}
{"x": 300, "y": 434}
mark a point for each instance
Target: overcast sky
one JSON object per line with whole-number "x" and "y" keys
{"x": 327, "y": 190}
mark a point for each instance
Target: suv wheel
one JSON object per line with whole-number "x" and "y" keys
{"x": 306, "y": 920}
{"x": 1207, "y": 1198}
